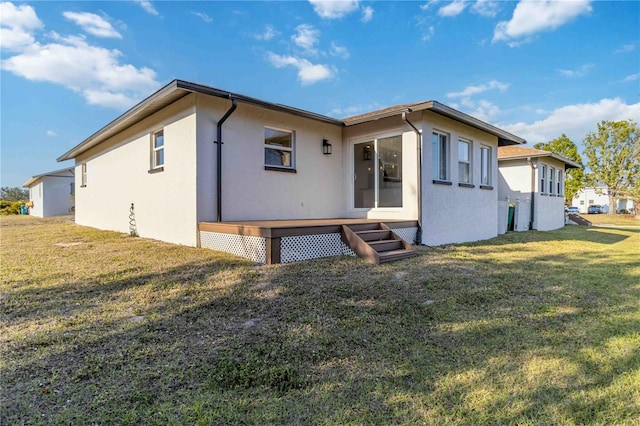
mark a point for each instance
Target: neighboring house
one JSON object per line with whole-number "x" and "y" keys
{"x": 52, "y": 193}
{"x": 424, "y": 169}
{"x": 532, "y": 181}
{"x": 599, "y": 196}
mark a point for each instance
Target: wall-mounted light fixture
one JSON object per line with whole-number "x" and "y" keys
{"x": 366, "y": 153}
{"x": 326, "y": 147}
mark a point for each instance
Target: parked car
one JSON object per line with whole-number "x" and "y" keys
{"x": 573, "y": 210}
{"x": 594, "y": 209}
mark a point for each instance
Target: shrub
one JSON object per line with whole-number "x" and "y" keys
{"x": 10, "y": 207}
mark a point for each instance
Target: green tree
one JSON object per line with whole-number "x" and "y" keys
{"x": 613, "y": 158}
{"x": 13, "y": 194}
{"x": 574, "y": 181}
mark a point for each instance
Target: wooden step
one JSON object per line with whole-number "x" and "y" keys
{"x": 386, "y": 245}
{"x": 356, "y": 227}
{"x": 375, "y": 235}
{"x": 390, "y": 256}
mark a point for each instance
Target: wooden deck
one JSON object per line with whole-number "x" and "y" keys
{"x": 273, "y": 231}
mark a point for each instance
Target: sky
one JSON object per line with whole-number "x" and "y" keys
{"x": 535, "y": 68}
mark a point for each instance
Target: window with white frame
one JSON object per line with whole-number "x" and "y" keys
{"x": 440, "y": 149}
{"x": 83, "y": 175}
{"x": 279, "y": 148}
{"x": 464, "y": 161}
{"x": 543, "y": 177}
{"x": 552, "y": 185}
{"x": 560, "y": 179}
{"x": 485, "y": 165}
{"x": 157, "y": 150}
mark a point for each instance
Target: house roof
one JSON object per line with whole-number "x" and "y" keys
{"x": 178, "y": 89}
{"x": 170, "y": 93}
{"x": 66, "y": 172}
{"x": 504, "y": 138}
{"x": 506, "y": 153}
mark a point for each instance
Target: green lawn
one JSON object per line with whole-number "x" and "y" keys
{"x": 528, "y": 328}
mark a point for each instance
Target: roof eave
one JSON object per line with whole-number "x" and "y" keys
{"x": 170, "y": 93}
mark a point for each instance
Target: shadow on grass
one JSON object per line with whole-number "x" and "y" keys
{"x": 433, "y": 339}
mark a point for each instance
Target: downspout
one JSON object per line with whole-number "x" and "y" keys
{"x": 219, "y": 142}
{"x": 533, "y": 192}
{"x": 418, "y": 240}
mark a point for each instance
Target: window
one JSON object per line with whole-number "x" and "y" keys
{"x": 552, "y": 185}
{"x": 157, "y": 146}
{"x": 278, "y": 148}
{"x": 464, "y": 161}
{"x": 72, "y": 189}
{"x": 560, "y": 188}
{"x": 485, "y": 165}
{"x": 543, "y": 176}
{"x": 440, "y": 156}
{"x": 83, "y": 175}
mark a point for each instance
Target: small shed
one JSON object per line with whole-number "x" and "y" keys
{"x": 51, "y": 193}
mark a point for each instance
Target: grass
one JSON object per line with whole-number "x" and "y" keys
{"x": 528, "y": 328}
{"x": 613, "y": 219}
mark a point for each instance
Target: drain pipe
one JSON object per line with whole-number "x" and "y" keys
{"x": 219, "y": 142}
{"x": 418, "y": 240}
{"x": 533, "y": 192}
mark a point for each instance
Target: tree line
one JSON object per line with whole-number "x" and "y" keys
{"x": 611, "y": 158}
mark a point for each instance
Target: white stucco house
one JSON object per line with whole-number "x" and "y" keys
{"x": 532, "y": 182}
{"x": 200, "y": 166}
{"x": 51, "y": 193}
{"x": 600, "y": 196}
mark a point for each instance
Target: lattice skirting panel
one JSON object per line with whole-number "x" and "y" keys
{"x": 407, "y": 234}
{"x": 254, "y": 248}
{"x": 304, "y": 247}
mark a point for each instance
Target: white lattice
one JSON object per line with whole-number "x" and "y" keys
{"x": 407, "y": 234}
{"x": 304, "y": 247}
{"x": 254, "y": 248}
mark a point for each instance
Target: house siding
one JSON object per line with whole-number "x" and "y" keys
{"x": 249, "y": 191}
{"x": 118, "y": 176}
{"x": 451, "y": 213}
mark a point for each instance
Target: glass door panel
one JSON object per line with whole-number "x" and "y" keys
{"x": 364, "y": 178}
{"x": 390, "y": 167}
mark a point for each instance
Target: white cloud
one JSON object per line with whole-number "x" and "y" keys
{"x": 581, "y": 71}
{"x": 306, "y": 36}
{"x": 268, "y": 33}
{"x": 334, "y": 9}
{"x": 485, "y": 111}
{"x": 626, "y": 48}
{"x": 488, "y": 8}
{"x": 454, "y": 8}
{"x": 147, "y": 6}
{"x": 93, "y": 71}
{"x": 51, "y": 133}
{"x": 18, "y": 25}
{"x": 206, "y": 18}
{"x": 474, "y": 90}
{"x": 429, "y": 4}
{"x": 426, "y": 36}
{"x": 340, "y": 51}
{"x": 308, "y": 73}
{"x": 533, "y": 16}
{"x": 630, "y": 78}
{"x": 574, "y": 120}
{"x": 367, "y": 14}
{"x": 92, "y": 24}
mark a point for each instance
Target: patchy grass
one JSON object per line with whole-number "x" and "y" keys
{"x": 527, "y": 328}
{"x": 613, "y": 219}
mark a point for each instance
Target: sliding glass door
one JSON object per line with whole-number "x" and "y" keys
{"x": 378, "y": 173}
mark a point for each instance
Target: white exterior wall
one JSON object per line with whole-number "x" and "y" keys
{"x": 392, "y": 126}
{"x": 57, "y": 195}
{"x": 36, "y": 196}
{"x": 118, "y": 175}
{"x": 515, "y": 186}
{"x": 249, "y": 191}
{"x": 450, "y": 213}
{"x": 589, "y": 196}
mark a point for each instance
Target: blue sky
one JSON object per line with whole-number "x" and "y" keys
{"x": 535, "y": 68}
